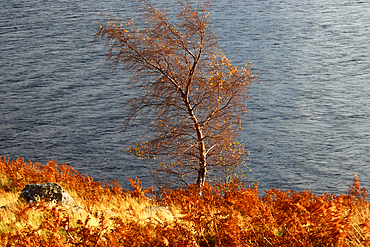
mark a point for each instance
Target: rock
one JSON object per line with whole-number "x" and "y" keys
{"x": 50, "y": 192}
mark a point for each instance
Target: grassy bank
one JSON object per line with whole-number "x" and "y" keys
{"x": 227, "y": 215}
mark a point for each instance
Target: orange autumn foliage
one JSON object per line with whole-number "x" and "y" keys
{"x": 224, "y": 215}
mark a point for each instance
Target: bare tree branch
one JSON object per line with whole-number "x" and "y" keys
{"x": 193, "y": 93}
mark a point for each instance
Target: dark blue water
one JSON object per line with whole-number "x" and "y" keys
{"x": 308, "y": 124}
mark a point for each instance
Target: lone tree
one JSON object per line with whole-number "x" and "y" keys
{"x": 194, "y": 95}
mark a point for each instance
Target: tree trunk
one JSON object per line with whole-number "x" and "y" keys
{"x": 202, "y": 171}
{"x": 200, "y": 138}
{"x": 201, "y": 176}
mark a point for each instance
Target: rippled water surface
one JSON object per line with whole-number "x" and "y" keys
{"x": 308, "y": 124}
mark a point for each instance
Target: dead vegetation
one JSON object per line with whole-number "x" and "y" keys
{"x": 224, "y": 215}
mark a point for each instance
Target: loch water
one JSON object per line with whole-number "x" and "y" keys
{"x": 308, "y": 125}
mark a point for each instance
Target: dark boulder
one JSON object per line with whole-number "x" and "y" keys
{"x": 48, "y": 192}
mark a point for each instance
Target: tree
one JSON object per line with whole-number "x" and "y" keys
{"x": 194, "y": 95}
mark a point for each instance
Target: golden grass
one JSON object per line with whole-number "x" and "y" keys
{"x": 224, "y": 215}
